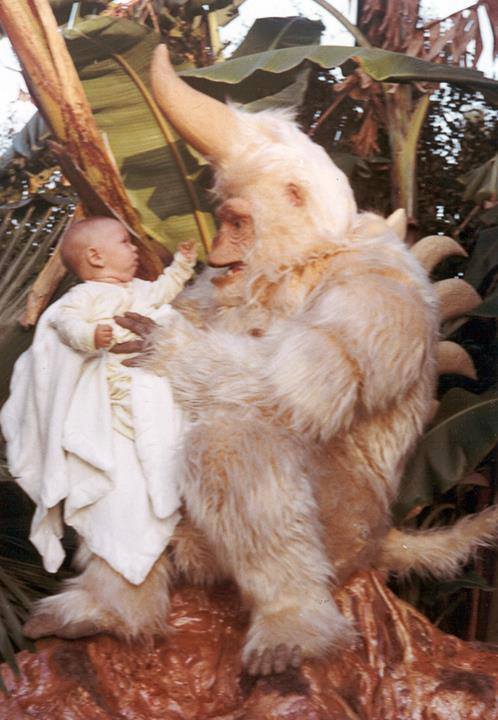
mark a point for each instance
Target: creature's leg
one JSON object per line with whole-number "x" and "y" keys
{"x": 246, "y": 489}
{"x": 101, "y": 600}
{"x": 192, "y": 555}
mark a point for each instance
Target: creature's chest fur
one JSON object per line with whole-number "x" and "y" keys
{"x": 270, "y": 300}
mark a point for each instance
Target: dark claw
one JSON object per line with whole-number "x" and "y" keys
{"x": 253, "y": 663}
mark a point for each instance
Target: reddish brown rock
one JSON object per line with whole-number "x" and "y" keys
{"x": 401, "y": 669}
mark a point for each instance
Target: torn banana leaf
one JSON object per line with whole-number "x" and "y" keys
{"x": 481, "y": 183}
{"x": 153, "y": 180}
{"x": 113, "y": 58}
{"x": 260, "y": 72}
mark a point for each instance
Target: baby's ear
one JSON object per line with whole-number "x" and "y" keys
{"x": 94, "y": 256}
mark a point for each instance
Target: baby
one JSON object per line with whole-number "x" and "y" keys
{"x": 102, "y": 437}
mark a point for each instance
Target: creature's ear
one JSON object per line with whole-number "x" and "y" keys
{"x": 94, "y": 256}
{"x": 295, "y": 194}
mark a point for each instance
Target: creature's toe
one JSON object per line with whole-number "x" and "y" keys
{"x": 74, "y": 630}
{"x": 273, "y": 660}
{"x": 40, "y": 625}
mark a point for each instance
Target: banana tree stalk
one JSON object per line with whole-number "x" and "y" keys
{"x": 59, "y": 95}
{"x": 404, "y": 124}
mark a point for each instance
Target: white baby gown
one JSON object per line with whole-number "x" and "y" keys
{"x": 105, "y": 439}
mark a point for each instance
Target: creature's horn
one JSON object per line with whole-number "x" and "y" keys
{"x": 205, "y": 123}
{"x": 452, "y": 358}
{"x": 398, "y": 222}
{"x": 456, "y": 297}
{"x": 431, "y": 250}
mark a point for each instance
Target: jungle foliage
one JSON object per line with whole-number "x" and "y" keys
{"x": 385, "y": 119}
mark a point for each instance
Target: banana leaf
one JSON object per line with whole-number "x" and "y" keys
{"x": 150, "y": 173}
{"x": 109, "y": 54}
{"x": 482, "y": 182}
{"x": 272, "y": 33}
{"x": 488, "y": 308}
{"x": 484, "y": 258}
{"x": 464, "y": 431}
{"x": 57, "y": 91}
{"x": 28, "y": 142}
{"x": 242, "y": 77}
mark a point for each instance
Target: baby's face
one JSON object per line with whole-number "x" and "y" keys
{"x": 119, "y": 253}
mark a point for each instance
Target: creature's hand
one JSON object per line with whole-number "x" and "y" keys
{"x": 188, "y": 250}
{"x": 103, "y": 336}
{"x": 141, "y": 326}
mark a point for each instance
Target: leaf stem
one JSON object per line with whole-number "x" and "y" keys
{"x": 355, "y": 32}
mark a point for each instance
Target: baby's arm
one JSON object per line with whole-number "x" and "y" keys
{"x": 73, "y": 327}
{"x": 173, "y": 279}
{"x": 103, "y": 337}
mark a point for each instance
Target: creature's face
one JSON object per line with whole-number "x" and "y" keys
{"x": 119, "y": 255}
{"x": 235, "y": 236}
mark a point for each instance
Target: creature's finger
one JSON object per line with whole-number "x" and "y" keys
{"x": 136, "y": 361}
{"x": 130, "y": 346}
{"x": 281, "y": 658}
{"x": 267, "y": 662}
{"x": 138, "y": 324}
{"x": 296, "y": 657}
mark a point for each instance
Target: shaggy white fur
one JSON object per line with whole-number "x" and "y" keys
{"x": 308, "y": 378}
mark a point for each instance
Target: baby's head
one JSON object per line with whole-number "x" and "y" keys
{"x": 99, "y": 248}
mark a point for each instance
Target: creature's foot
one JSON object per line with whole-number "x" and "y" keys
{"x": 279, "y": 640}
{"x": 40, "y": 625}
{"x": 70, "y": 614}
{"x": 44, "y": 623}
{"x": 272, "y": 660}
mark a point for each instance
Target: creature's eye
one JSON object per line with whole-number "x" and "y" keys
{"x": 237, "y": 224}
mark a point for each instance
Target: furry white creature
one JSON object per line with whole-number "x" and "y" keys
{"x": 307, "y": 364}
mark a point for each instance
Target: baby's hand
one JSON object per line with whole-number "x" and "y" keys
{"x": 188, "y": 250}
{"x": 103, "y": 337}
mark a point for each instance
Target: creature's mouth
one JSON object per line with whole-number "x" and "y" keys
{"x": 231, "y": 267}
{"x": 235, "y": 267}
{"x": 226, "y": 278}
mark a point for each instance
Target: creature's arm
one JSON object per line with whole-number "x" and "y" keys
{"x": 362, "y": 342}
{"x": 358, "y": 348}
{"x": 171, "y": 282}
